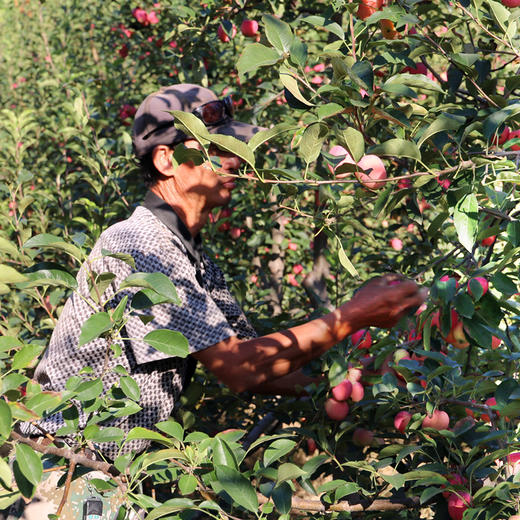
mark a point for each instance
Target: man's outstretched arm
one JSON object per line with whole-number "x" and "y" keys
{"x": 249, "y": 364}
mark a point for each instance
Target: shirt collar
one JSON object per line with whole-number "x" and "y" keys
{"x": 166, "y": 214}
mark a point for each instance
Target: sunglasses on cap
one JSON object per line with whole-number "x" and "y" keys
{"x": 215, "y": 112}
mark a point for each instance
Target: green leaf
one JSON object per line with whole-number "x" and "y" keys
{"x": 237, "y": 487}
{"x": 298, "y": 52}
{"x": 43, "y": 402}
{"x": 444, "y": 123}
{"x": 88, "y": 390}
{"x": 464, "y": 304}
{"x": 282, "y": 497}
{"x": 25, "y": 356}
{"x": 429, "y": 493}
{"x": 49, "y": 273}
{"x": 312, "y": 141}
{"x": 354, "y": 142}
{"x": 30, "y": 463}
{"x": 168, "y": 342}
{"x": 9, "y": 342}
{"x": 187, "y": 484}
{"x": 465, "y": 217}
{"x": 6, "y": 475}
{"x": 118, "y": 312}
{"x": 158, "y": 282}
{"x": 6, "y": 418}
{"x": 173, "y": 505}
{"x": 47, "y": 241}
{"x": 99, "y": 285}
{"x": 96, "y": 434}
{"x": 96, "y": 325}
{"x": 478, "y": 332}
{"x": 277, "y": 449}
{"x": 130, "y": 388}
{"x": 235, "y": 146}
{"x": 328, "y": 110}
{"x": 344, "y": 260}
{"x": 492, "y": 123}
{"x": 190, "y": 124}
{"x": 397, "y": 148}
{"x": 291, "y": 84}
{"x": 10, "y": 275}
{"x": 9, "y": 248}
{"x": 144, "y": 433}
{"x": 500, "y": 14}
{"x": 504, "y": 284}
{"x": 328, "y": 25}
{"x": 416, "y": 81}
{"x": 278, "y": 33}
{"x": 396, "y": 481}
{"x": 255, "y": 56}
{"x": 223, "y": 454}
{"x": 289, "y": 471}
{"x": 513, "y": 233}
{"x": 264, "y": 135}
{"x": 124, "y": 257}
{"x": 172, "y": 428}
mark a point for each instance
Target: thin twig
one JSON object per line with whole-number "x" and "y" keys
{"x": 66, "y": 488}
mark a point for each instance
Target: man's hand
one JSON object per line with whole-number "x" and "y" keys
{"x": 383, "y": 301}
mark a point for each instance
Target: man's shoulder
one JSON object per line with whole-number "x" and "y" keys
{"x": 139, "y": 231}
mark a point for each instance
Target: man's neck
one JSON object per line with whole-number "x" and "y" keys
{"x": 193, "y": 218}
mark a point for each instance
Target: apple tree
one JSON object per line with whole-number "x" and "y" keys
{"x": 391, "y": 145}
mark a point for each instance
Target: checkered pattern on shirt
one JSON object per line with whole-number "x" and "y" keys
{"x": 208, "y": 314}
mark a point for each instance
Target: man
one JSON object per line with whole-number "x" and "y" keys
{"x": 163, "y": 236}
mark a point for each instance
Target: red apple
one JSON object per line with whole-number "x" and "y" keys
{"x": 249, "y": 28}
{"x": 439, "y": 420}
{"x": 338, "y": 150}
{"x": 361, "y": 339}
{"x": 511, "y": 3}
{"x": 223, "y": 36}
{"x": 457, "y": 504}
{"x": 336, "y": 410}
{"x": 489, "y": 402}
{"x": 311, "y": 446}
{"x": 362, "y": 437}
{"x": 456, "y": 336}
{"x": 455, "y": 479}
{"x": 489, "y": 241}
{"x": 401, "y": 420}
{"x": 368, "y": 8}
{"x": 446, "y": 278}
{"x": 342, "y": 391}
{"x": 482, "y": 281}
{"x": 495, "y": 342}
{"x": 354, "y": 374}
{"x": 377, "y": 171}
{"x": 396, "y": 243}
{"x": 358, "y": 392}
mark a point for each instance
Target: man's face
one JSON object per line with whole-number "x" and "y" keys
{"x": 201, "y": 183}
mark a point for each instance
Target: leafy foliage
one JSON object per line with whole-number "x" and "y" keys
{"x": 429, "y": 87}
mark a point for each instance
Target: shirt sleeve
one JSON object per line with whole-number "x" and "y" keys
{"x": 198, "y": 318}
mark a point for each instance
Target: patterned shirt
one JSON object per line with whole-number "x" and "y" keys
{"x": 159, "y": 242}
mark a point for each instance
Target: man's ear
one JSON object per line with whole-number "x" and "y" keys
{"x": 161, "y": 157}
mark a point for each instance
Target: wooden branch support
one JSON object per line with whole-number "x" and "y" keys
{"x": 354, "y": 505}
